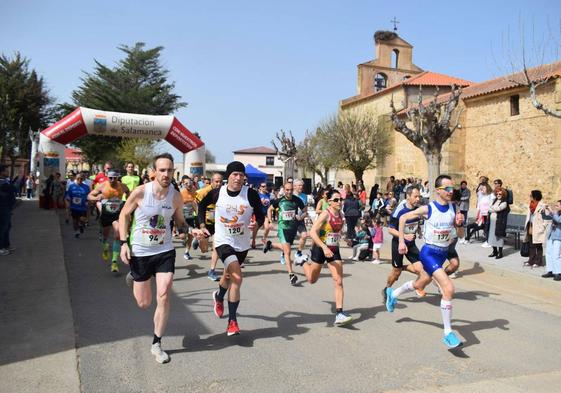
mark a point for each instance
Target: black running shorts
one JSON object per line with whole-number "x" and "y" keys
{"x": 227, "y": 254}
{"x": 107, "y": 220}
{"x": 319, "y": 257}
{"x": 397, "y": 258}
{"x": 77, "y": 213}
{"x": 142, "y": 268}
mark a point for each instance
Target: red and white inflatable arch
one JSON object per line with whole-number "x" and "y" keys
{"x": 86, "y": 121}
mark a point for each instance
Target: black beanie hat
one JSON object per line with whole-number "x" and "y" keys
{"x": 234, "y": 166}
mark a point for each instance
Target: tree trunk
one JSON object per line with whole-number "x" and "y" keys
{"x": 433, "y": 164}
{"x": 358, "y": 175}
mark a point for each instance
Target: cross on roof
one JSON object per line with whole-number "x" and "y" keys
{"x": 395, "y": 22}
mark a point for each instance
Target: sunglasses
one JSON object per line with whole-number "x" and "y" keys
{"x": 336, "y": 200}
{"x": 447, "y": 189}
{"x": 111, "y": 178}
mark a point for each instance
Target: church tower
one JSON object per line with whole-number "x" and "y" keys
{"x": 393, "y": 64}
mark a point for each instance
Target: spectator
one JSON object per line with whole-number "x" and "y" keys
{"x": 323, "y": 203}
{"x": 553, "y": 248}
{"x": 391, "y": 184}
{"x": 464, "y": 204}
{"x": 361, "y": 195}
{"x": 482, "y": 214}
{"x": 7, "y": 203}
{"x": 361, "y": 240}
{"x": 48, "y": 191}
{"x": 377, "y": 241}
{"x": 58, "y": 192}
{"x": 376, "y": 206}
{"x": 29, "y": 183}
{"x": 425, "y": 192}
{"x": 536, "y": 228}
{"x": 373, "y": 193}
{"x": 351, "y": 210}
{"x": 497, "y": 222}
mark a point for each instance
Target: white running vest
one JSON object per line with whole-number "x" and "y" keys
{"x": 151, "y": 225}
{"x": 232, "y": 216}
{"x": 439, "y": 226}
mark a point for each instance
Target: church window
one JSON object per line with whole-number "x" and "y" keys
{"x": 514, "y": 105}
{"x": 395, "y": 58}
{"x": 380, "y": 81}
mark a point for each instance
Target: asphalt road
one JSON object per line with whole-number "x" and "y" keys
{"x": 288, "y": 341}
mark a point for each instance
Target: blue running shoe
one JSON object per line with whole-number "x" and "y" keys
{"x": 451, "y": 340}
{"x": 212, "y": 276}
{"x": 282, "y": 261}
{"x": 390, "y": 300}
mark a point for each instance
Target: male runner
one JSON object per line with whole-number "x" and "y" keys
{"x": 288, "y": 207}
{"x": 234, "y": 206}
{"x": 77, "y": 201}
{"x": 208, "y": 219}
{"x": 441, "y": 216}
{"x": 101, "y": 177}
{"x": 109, "y": 199}
{"x": 326, "y": 233}
{"x": 151, "y": 251}
{"x": 410, "y": 203}
{"x": 188, "y": 193}
{"x": 302, "y": 231}
{"x": 130, "y": 179}
{"x": 266, "y": 202}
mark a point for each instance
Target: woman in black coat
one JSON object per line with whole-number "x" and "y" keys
{"x": 351, "y": 210}
{"x": 498, "y": 216}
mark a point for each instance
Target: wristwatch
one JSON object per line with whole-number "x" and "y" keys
{"x": 123, "y": 242}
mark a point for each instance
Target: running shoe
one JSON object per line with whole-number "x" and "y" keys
{"x": 300, "y": 260}
{"x": 77, "y": 235}
{"x": 451, "y": 340}
{"x": 212, "y": 275}
{"x": 218, "y": 305}
{"x": 161, "y": 356}
{"x": 187, "y": 256}
{"x": 4, "y": 252}
{"x": 342, "y": 319}
{"x": 195, "y": 244}
{"x": 282, "y": 261}
{"x": 105, "y": 254}
{"x": 376, "y": 262}
{"x": 129, "y": 280}
{"x": 420, "y": 292}
{"x": 293, "y": 278}
{"x": 268, "y": 246}
{"x": 390, "y": 300}
{"x": 233, "y": 328}
{"x": 114, "y": 267}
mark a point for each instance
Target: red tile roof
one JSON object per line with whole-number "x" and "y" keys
{"x": 429, "y": 78}
{"x": 425, "y": 78}
{"x": 257, "y": 150}
{"x": 506, "y": 82}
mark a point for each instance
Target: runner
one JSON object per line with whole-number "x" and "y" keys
{"x": 441, "y": 216}
{"x": 109, "y": 199}
{"x": 235, "y": 205}
{"x": 188, "y": 194}
{"x": 208, "y": 219}
{"x": 266, "y": 202}
{"x": 410, "y": 203}
{"x": 288, "y": 207}
{"x": 77, "y": 201}
{"x": 326, "y": 235}
{"x": 130, "y": 179}
{"x": 101, "y": 177}
{"x": 151, "y": 251}
{"x": 302, "y": 231}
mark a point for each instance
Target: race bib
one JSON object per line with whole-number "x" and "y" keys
{"x": 235, "y": 229}
{"x": 332, "y": 239}
{"x": 442, "y": 236}
{"x": 410, "y": 228}
{"x": 188, "y": 211}
{"x": 288, "y": 215}
{"x": 76, "y": 201}
{"x": 151, "y": 237}
{"x": 112, "y": 206}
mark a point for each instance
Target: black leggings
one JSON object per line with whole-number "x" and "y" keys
{"x": 472, "y": 228}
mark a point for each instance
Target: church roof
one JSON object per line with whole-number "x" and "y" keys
{"x": 429, "y": 78}
{"x": 256, "y": 150}
{"x": 536, "y": 74}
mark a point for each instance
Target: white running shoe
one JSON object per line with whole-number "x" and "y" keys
{"x": 161, "y": 356}
{"x": 486, "y": 245}
{"x": 4, "y": 251}
{"x": 376, "y": 262}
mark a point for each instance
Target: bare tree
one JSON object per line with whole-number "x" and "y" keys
{"x": 357, "y": 139}
{"x": 430, "y": 126}
{"x": 315, "y": 153}
{"x": 286, "y": 150}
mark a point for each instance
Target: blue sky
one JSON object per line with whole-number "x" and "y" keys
{"x": 250, "y": 68}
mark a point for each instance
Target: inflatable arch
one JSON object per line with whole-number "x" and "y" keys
{"x": 85, "y": 121}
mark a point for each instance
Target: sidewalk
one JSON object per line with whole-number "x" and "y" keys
{"x": 36, "y": 323}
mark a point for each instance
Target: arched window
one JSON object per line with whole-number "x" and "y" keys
{"x": 380, "y": 81}
{"x": 406, "y": 77}
{"x": 395, "y": 58}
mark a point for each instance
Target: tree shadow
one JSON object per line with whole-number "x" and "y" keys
{"x": 466, "y": 330}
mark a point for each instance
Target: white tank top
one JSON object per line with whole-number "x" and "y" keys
{"x": 151, "y": 225}
{"x": 439, "y": 226}
{"x": 232, "y": 216}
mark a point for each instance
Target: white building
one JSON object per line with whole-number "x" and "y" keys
{"x": 263, "y": 158}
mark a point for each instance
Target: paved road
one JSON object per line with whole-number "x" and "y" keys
{"x": 288, "y": 343}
